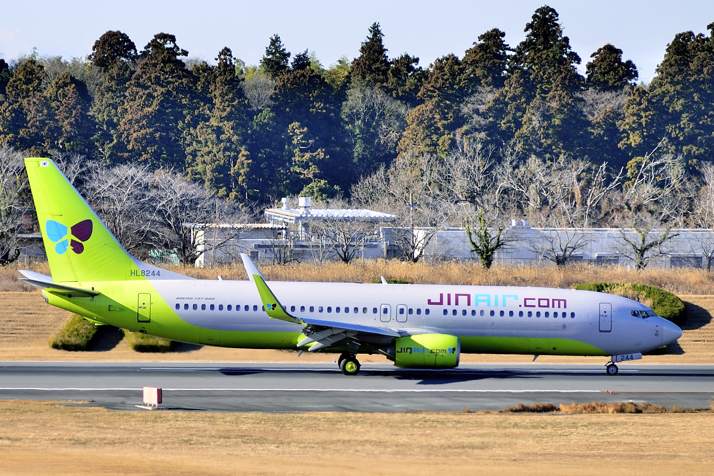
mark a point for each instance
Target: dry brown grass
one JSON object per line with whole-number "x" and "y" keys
{"x": 42, "y": 438}
{"x": 615, "y": 407}
{"x": 684, "y": 281}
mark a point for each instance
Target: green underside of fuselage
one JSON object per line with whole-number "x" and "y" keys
{"x": 527, "y": 345}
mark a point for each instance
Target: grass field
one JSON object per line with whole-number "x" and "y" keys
{"x": 678, "y": 280}
{"x": 42, "y": 438}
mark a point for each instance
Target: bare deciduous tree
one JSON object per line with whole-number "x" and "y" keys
{"x": 560, "y": 245}
{"x": 14, "y": 203}
{"x": 345, "y": 238}
{"x": 408, "y": 189}
{"x": 123, "y": 197}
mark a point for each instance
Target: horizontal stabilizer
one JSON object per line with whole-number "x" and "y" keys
{"x": 45, "y": 282}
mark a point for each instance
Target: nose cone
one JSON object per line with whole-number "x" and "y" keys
{"x": 670, "y": 332}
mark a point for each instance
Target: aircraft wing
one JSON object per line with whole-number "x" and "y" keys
{"x": 320, "y": 333}
{"x": 45, "y": 282}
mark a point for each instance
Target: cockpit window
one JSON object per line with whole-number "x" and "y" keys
{"x": 643, "y": 313}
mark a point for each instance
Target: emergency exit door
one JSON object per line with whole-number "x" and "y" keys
{"x": 605, "y": 317}
{"x": 143, "y": 307}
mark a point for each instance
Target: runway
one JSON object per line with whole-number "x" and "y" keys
{"x": 378, "y": 387}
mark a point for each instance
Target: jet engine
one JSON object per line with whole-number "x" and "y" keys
{"x": 427, "y": 351}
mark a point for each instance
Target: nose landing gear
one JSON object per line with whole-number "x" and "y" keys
{"x": 611, "y": 369}
{"x": 348, "y": 364}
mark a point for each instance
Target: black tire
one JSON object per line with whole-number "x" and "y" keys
{"x": 350, "y": 365}
{"x": 342, "y": 357}
{"x": 612, "y": 369}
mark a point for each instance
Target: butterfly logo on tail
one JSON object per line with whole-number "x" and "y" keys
{"x": 65, "y": 238}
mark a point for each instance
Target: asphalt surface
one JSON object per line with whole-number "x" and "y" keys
{"x": 321, "y": 387}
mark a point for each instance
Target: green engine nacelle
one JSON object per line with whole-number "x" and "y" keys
{"x": 427, "y": 351}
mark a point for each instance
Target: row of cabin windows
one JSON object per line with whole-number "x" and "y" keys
{"x": 356, "y": 310}
{"x": 220, "y": 307}
{"x": 329, "y": 309}
{"x": 502, "y": 313}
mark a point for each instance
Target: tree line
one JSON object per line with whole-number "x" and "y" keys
{"x": 291, "y": 126}
{"x": 501, "y": 131}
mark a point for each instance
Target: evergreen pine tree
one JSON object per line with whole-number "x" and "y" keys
{"x": 276, "y": 58}
{"x": 114, "y": 54}
{"x": 607, "y": 72}
{"x": 158, "y": 107}
{"x": 73, "y": 126}
{"x": 371, "y": 67}
{"x": 484, "y": 64}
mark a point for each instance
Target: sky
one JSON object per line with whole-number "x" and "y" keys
{"x": 334, "y": 28}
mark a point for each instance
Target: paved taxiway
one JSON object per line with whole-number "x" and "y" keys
{"x": 321, "y": 387}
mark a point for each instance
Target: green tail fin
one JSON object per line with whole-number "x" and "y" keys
{"x": 78, "y": 245}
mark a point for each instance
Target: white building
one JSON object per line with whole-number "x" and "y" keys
{"x": 299, "y": 219}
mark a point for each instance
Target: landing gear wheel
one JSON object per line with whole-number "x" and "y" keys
{"x": 342, "y": 357}
{"x": 349, "y": 365}
{"x": 611, "y": 369}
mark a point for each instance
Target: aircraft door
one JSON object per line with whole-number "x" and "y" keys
{"x": 143, "y": 307}
{"x": 385, "y": 313}
{"x": 401, "y": 314}
{"x": 605, "y": 317}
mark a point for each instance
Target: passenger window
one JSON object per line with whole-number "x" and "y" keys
{"x": 203, "y": 307}
{"x": 520, "y": 313}
{"x": 337, "y": 309}
{"x": 572, "y": 315}
{"x": 374, "y": 310}
{"x": 195, "y": 307}
{"x": 319, "y": 308}
{"x": 537, "y": 313}
{"x": 220, "y": 307}
{"x": 482, "y": 313}
{"x": 547, "y": 314}
{"x": 446, "y": 312}
{"x": 510, "y": 313}
{"x": 302, "y": 308}
{"x": 453, "y": 312}
{"x": 427, "y": 311}
{"x": 178, "y": 306}
{"x": 555, "y": 313}
{"x": 329, "y": 308}
{"x": 246, "y": 308}
{"x": 229, "y": 307}
{"x": 418, "y": 311}
{"x": 185, "y": 307}
{"x": 312, "y": 308}
{"x": 212, "y": 307}
{"x": 292, "y": 308}
{"x": 355, "y": 310}
{"x": 364, "y": 310}
{"x": 464, "y": 312}
{"x": 501, "y": 313}
{"x": 492, "y": 313}
{"x": 530, "y": 313}
{"x": 255, "y": 307}
{"x": 401, "y": 310}
{"x": 411, "y": 311}
{"x": 262, "y": 308}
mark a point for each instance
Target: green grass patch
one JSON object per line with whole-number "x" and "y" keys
{"x": 75, "y": 335}
{"x": 662, "y": 302}
{"x": 147, "y": 343}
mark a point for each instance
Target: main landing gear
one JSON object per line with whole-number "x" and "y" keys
{"x": 611, "y": 369}
{"x": 348, "y": 364}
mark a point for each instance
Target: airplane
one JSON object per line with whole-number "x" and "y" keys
{"x": 414, "y": 325}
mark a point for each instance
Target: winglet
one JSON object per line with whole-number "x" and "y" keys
{"x": 272, "y": 306}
